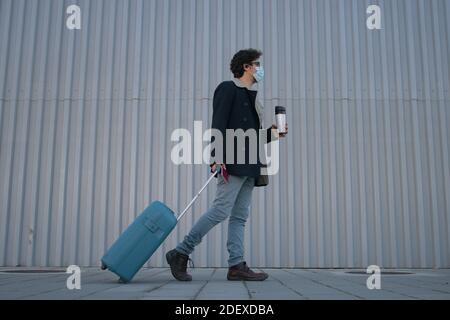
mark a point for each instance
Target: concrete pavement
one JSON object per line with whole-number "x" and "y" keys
{"x": 211, "y": 284}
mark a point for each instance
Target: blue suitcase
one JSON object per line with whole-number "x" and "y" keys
{"x": 142, "y": 238}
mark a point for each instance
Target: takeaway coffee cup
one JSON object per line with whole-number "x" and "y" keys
{"x": 280, "y": 115}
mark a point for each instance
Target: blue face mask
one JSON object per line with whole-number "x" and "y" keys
{"x": 259, "y": 74}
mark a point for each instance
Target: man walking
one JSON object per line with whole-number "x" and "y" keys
{"x": 234, "y": 107}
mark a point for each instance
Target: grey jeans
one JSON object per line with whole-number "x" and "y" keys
{"x": 232, "y": 200}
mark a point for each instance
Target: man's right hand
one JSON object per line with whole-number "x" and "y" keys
{"x": 214, "y": 166}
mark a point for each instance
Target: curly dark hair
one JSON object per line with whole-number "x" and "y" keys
{"x": 243, "y": 57}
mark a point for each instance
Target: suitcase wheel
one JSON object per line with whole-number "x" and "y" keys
{"x": 103, "y": 267}
{"x": 121, "y": 280}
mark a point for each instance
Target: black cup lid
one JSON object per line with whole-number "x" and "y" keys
{"x": 280, "y": 109}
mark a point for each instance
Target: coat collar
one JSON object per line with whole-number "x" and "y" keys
{"x": 240, "y": 84}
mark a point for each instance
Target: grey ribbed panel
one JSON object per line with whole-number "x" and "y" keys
{"x": 86, "y": 118}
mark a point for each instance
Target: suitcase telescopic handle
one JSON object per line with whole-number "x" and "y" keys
{"x": 198, "y": 193}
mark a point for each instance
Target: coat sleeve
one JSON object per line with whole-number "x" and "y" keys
{"x": 222, "y": 105}
{"x": 270, "y": 136}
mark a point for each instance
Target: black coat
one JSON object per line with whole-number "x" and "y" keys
{"x": 234, "y": 108}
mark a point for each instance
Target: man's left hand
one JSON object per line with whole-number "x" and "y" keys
{"x": 281, "y": 135}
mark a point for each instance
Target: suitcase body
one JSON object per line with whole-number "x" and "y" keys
{"x": 139, "y": 241}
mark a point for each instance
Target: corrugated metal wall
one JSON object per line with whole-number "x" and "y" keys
{"x": 86, "y": 117}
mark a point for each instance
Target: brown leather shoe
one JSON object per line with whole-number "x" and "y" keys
{"x": 178, "y": 265}
{"x": 242, "y": 272}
